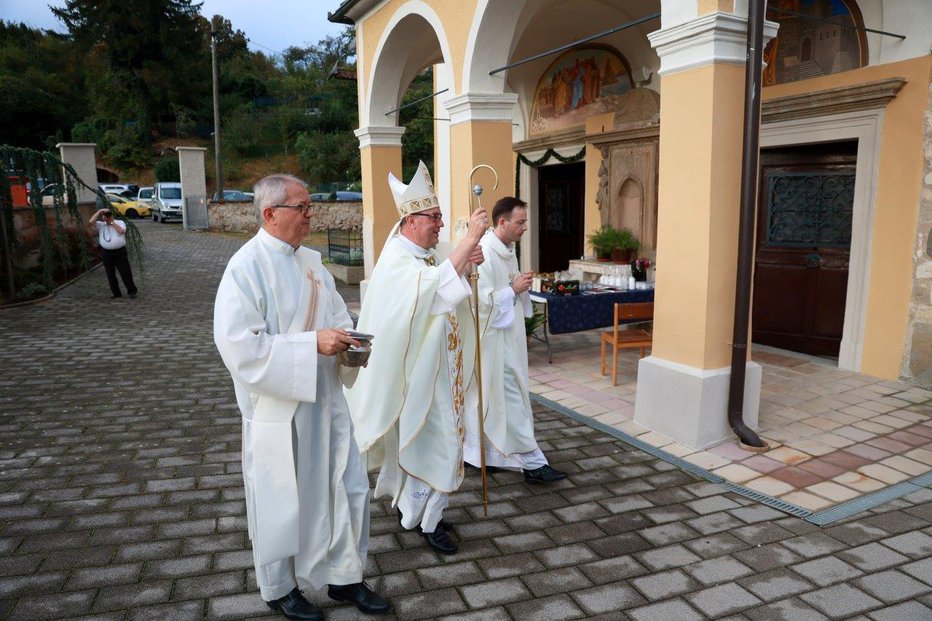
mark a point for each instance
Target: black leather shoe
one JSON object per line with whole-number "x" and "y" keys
{"x": 440, "y": 541}
{"x": 294, "y": 606}
{"x": 544, "y": 474}
{"x": 441, "y": 524}
{"x": 365, "y": 599}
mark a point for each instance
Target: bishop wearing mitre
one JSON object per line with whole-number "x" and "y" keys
{"x": 407, "y": 404}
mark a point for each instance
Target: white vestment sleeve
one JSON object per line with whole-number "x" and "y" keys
{"x": 504, "y": 303}
{"x": 283, "y": 366}
{"x": 453, "y": 289}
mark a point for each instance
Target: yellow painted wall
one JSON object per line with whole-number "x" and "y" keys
{"x": 480, "y": 142}
{"x": 700, "y": 169}
{"x": 899, "y": 179}
{"x": 378, "y": 205}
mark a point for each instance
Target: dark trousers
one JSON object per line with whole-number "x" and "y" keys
{"x": 114, "y": 260}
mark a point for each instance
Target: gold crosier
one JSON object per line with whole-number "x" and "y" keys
{"x": 476, "y": 190}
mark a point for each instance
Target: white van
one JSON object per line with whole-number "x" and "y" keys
{"x": 167, "y": 203}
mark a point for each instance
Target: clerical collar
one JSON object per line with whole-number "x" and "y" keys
{"x": 275, "y": 243}
{"x": 498, "y": 245}
{"x": 412, "y": 247}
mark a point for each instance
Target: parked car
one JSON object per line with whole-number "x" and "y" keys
{"x": 127, "y": 190}
{"x": 128, "y": 208}
{"x": 168, "y": 203}
{"x": 346, "y": 196}
{"x": 146, "y": 195}
{"x": 236, "y": 196}
{"x": 320, "y": 196}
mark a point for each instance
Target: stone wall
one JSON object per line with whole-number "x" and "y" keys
{"x": 241, "y": 217}
{"x": 917, "y": 363}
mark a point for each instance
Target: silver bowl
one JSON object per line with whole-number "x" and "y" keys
{"x": 354, "y": 357}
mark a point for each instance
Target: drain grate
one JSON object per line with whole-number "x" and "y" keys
{"x": 820, "y": 518}
{"x": 869, "y": 501}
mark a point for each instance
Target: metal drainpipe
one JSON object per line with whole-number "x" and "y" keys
{"x": 749, "y": 172}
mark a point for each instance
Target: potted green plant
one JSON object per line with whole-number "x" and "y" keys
{"x": 611, "y": 244}
{"x": 533, "y": 323}
{"x": 626, "y": 244}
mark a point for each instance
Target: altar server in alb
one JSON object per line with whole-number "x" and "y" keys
{"x": 278, "y": 324}
{"x": 407, "y": 405}
{"x": 503, "y": 304}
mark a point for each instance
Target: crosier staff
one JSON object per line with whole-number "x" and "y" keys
{"x": 474, "y": 281}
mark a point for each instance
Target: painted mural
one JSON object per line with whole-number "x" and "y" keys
{"x": 816, "y": 38}
{"x": 580, "y": 82}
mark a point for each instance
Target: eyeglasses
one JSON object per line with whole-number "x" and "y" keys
{"x": 436, "y": 217}
{"x": 305, "y": 208}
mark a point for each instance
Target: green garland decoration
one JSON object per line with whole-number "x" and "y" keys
{"x": 30, "y": 166}
{"x": 548, "y": 154}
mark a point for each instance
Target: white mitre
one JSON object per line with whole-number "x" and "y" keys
{"x": 416, "y": 196}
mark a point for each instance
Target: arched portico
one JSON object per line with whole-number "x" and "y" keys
{"x": 413, "y": 39}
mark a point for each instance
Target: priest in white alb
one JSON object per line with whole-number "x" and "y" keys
{"x": 407, "y": 404}
{"x": 279, "y": 324}
{"x": 503, "y": 304}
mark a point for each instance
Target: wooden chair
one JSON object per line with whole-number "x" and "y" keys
{"x": 629, "y": 338}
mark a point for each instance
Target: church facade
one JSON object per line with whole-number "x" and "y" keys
{"x": 641, "y": 128}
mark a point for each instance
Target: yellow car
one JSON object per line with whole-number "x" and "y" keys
{"x": 128, "y": 208}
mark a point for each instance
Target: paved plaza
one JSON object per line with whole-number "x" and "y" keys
{"x": 121, "y": 495}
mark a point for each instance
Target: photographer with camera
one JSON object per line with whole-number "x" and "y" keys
{"x": 111, "y": 235}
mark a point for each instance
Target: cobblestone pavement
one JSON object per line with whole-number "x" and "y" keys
{"x": 121, "y": 496}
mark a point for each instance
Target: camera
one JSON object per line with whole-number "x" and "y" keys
{"x": 106, "y": 213}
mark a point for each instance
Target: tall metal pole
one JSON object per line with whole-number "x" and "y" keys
{"x": 749, "y": 172}
{"x": 7, "y": 252}
{"x": 216, "y": 79}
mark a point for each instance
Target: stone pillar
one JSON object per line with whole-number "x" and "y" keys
{"x": 480, "y": 133}
{"x": 82, "y": 158}
{"x": 379, "y": 154}
{"x": 683, "y": 386}
{"x": 193, "y": 178}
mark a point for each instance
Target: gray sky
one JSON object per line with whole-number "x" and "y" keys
{"x": 269, "y": 24}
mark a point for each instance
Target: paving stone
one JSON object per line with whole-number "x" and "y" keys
{"x": 872, "y": 557}
{"x": 665, "y": 611}
{"x": 827, "y": 570}
{"x": 714, "y": 523}
{"x": 664, "y": 584}
{"x": 891, "y": 586}
{"x": 180, "y": 611}
{"x": 767, "y": 557}
{"x": 240, "y": 606}
{"x": 761, "y": 533}
{"x": 840, "y": 601}
{"x": 542, "y": 609}
{"x": 555, "y": 581}
{"x": 716, "y": 570}
{"x": 921, "y": 570}
{"x": 722, "y": 600}
{"x": 855, "y": 533}
{"x": 791, "y": 609}
{"x": 522, "y": 542}
{"x": 668, "y": 533}
{"x": 755, "y": 513}
{"x": 775, "y": 584}
{"x": 813, "y": 545}
{"x": 712, "y": 546}
{"x": 562, "y": 556}
{"x": 494, "y": 593}
{"x": 202, "y": 587}
{"x": 607, "y": 598}
{"x": 43, "y": 607}
{"x": 453, "y": 574}
{"x": 610, "y": 569}
{"x": 104, "y": 576}
{"x": 899, "y": 612}
{"x": 510, "y": 565}
{"x": 619, "y": 545}
{"x": 122, "y": 597}
{"x": 486, "y": 614}
{"x": 667, "y": 557}
{"x": 914, "y": 545}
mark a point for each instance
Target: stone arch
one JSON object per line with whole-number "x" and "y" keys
{"x": 491, "y": 38}
{"x": 413, "y": 39}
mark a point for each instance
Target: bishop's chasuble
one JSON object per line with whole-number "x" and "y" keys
{"x": 307, "y": 495}
{"x": 407, "y": 404}
{"x": 508, "y": 420}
